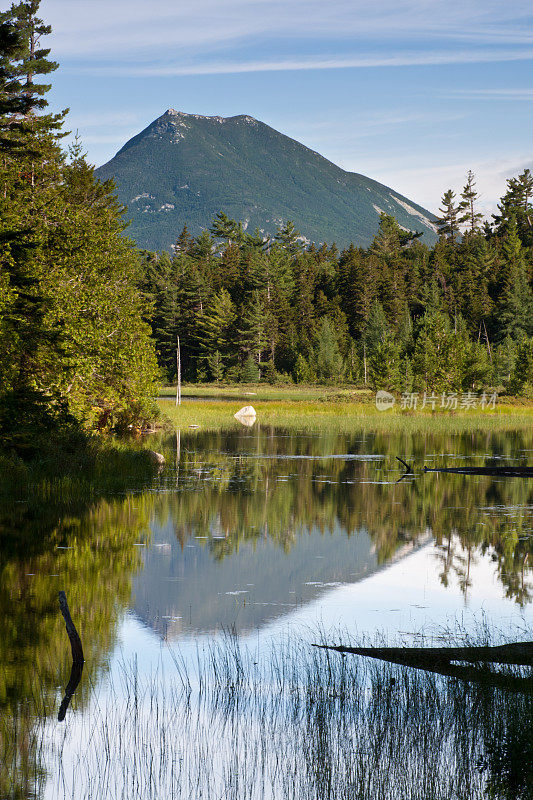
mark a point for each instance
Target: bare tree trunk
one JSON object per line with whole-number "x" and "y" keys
{"x": 178, "y": 364}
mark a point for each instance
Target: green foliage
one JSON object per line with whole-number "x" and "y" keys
{"x": 448, "y": 223}
{"x": 515, "y": 306}
{"x": 269, "y": 374}
{"x": 327, "y": 354}
{"x": 521, "y": 382}
{"x": 395, "y": 315}
{"x": 75, "y": 348}
{"x": 438, "y": 354}
{"x": 469, "y": 197}
{"x": 384, "y": 365}
{"x": 249, "y": 371}
{"x": 302, "y": 371}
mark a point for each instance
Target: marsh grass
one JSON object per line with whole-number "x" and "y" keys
{"x": 260, "y": 391}
{"x": 107, "y": 467}
{"x": 341, "y": 417}
{"x": 292, "y": 721}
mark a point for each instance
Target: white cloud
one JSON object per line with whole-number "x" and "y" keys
{"x": 490, "y": 94}
{"x": 134, "y": 28}
{"x": 168, "y": 70}
{"x": 426, "y": 184}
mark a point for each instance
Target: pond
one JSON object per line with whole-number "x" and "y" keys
{"x": 198, "y": 594}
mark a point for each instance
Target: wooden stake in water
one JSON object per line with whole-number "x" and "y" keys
{"x": 178, "y": 361}
{"x": 77, "y": 656}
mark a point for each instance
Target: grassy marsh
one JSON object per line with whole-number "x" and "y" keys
{"x": 343, "y": 416}
{"x": 293, "y": 722}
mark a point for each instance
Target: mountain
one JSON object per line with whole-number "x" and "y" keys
{"x": 184, "y": 168}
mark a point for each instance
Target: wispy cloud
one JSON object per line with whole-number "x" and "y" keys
{"x": 134, "y": 28}
{"x": 490, "y": 94}
{"x": 429, "y": 183}
{"x": 104, "y": 119}
{"x": 167, "y": 70}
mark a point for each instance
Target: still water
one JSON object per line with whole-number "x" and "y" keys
{"x": 197, "y": 594}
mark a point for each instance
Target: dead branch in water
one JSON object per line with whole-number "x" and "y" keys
{"x": 509, "y": 472}
{"x": 442, "y": 660}
{"x": 77, "y": 656}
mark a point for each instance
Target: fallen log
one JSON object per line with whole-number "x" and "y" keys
{"x": 77, "y": 657}
{"x": 443, "y": 661}
{"x": 506, "y": 472}
{"x": 517, "y": 653}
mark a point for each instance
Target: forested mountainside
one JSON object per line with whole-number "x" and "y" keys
{"x": 184, "y": 168}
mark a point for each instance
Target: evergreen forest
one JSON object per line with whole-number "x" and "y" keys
{"x": 75, "y": 345}
{"x": 398, "y": 315}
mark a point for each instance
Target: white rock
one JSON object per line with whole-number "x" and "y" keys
{"x": 246, "y": 416}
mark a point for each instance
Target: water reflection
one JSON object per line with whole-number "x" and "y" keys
{"x": 298, "y": 724}
{"x": 253, "y": 524}
{"x": 240, "y": 529}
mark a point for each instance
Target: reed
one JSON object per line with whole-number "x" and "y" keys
{"x": 290, "y": 721}
{"x": 341, "y": 417}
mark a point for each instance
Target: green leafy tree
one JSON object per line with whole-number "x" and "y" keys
{"x": 250, "y": 371}
{"x": 289, "y": 238}
{"x": 521, "y": 382}
{"x": 251, "y": 328}
{"x": 516, "y": 207}
{"x": 515, "y": 305}
{"x": 385, "y": 368}
{"x": 77, "y": 347}
{"x": 216, "y": 332}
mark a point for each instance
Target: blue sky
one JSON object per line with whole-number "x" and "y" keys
{"x": 412, "y": 93}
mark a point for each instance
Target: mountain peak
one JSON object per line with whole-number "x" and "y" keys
{"x": 185, "y": 168}
{"x": 172, "y": 112}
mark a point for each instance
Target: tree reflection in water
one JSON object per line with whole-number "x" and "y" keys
{"x": 335, "y": 731}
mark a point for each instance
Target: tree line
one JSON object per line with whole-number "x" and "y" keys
{"x": 74, "y": 337}
{"x": 397, "y": 315}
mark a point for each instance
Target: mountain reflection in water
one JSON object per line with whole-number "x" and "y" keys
{"x": 241, "y": 530}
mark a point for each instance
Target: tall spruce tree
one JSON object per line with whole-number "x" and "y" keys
{"x": 515, "y": 304}
{"x": 448, "y": 222}
{"x": 516, "y": 204}
{"x": 468, "y": 214}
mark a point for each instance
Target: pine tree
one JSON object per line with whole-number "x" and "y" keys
{"x": 216, "y": 332}
{"x": 67, "y": 272}
{"x": 516, "y": 205}
{"x": 515, "y": 306}
{"x": 387, "y": 241}
{"x": 385, "y": 365}
{"x": 438, "y": 354}
{"x": 467, "y": 207}
{"x": 328, "y": 357}
{"x": 251, "y": 328}
{"x": 504, "y": 360}
{"x": 448, "y": 223}
{"x": 377, "y": 327}
{"x": 522, "y": 376}
{"x": 289, "y": 238}
{"x": 184, "y": 241}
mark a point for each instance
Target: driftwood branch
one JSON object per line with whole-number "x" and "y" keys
{"x": 442, "y": 660}
{"x": 77, "y": 656}
{"x": 408, "y": 470}
{"x": 509, "y": 472}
